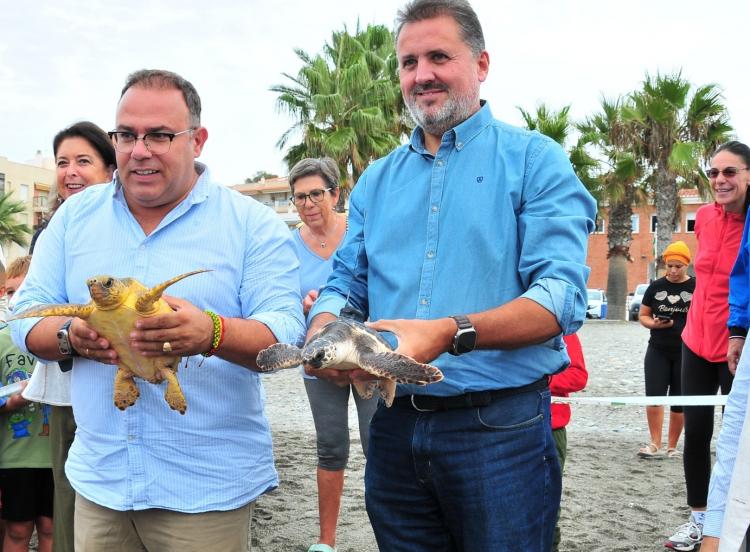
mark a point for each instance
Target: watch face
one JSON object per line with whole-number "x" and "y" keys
{"x": 466, "y": 340}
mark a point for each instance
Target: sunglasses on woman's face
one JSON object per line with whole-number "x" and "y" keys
{"x": 729, "y": 172}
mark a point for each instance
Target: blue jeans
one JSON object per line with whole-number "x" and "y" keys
{"x": 473, "y": 479}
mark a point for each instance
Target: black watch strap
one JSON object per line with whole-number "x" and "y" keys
{"x": 466, "y": 336}
{"x": 63, "y": 340}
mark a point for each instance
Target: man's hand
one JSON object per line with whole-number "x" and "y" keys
{"x": 734, "y": 351}
{"x": 88, "y": 343}
{"x": 422, "y": 340}
{"x": 188, "y": 330}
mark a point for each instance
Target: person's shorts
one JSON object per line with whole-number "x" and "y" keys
{"x": 26, "y": 493}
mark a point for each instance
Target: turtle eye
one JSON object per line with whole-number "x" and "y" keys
{"x": 108, "y": 283}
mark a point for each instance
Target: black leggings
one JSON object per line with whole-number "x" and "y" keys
{"x": 662, "y": 369}
{"x": 700, "y": 377}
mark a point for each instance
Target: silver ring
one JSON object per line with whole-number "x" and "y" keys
{"x": 166, "y": 347}
{"x": 87, "y": 351}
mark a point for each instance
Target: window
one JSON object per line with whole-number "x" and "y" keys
{"x": 635, "y": 223}
{"x": 654, "y": 221}
{"x": 23, "y": 192}
{"x": 600, "y": 225}
{"x": 690, "y": 222}
{"x": 2, "y": 183}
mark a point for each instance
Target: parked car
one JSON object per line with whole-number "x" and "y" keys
{"x": 597, "y": 304}
{"x": 635, "y": 302}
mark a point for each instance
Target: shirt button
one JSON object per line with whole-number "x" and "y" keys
{"x": 440, "y": 163}
{"x": 423, "y": 301}
{"x": 430, "y": 254}
{"x": 434, "y": 208}
{"x": 459, "y": 145}
{"x": 131, "y": 437}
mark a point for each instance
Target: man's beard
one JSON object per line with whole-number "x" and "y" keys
{"x": 454, "y": 111}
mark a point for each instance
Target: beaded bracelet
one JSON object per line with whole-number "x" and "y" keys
{"x": 218, "y": 337}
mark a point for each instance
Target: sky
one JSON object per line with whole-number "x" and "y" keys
{"x": 62, "y": 61}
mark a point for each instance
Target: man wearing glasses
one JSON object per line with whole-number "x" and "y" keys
{"x": 147, "y": 477}
{"x": 471, "y": 241}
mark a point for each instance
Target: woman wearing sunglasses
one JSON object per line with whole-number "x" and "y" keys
{"x": 315, "y": 191}
{"x": 718, "y": 229}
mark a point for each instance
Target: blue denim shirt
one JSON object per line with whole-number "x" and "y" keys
{"x": 217, "y": 456}
{"x": 496, "y": 214}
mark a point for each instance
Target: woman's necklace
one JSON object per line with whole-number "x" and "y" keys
{"x": 324, "y": 241}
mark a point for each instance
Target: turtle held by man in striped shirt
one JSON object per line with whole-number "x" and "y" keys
{"x": 116, "y": 304}
{"x": 346, "y": 344}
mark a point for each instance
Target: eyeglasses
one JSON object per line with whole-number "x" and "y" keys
{"x": 157, "y": 143}
{"x": 315, "y": 196}
{"x": 729, "y": 172}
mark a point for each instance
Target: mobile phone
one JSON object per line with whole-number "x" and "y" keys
{"x": 663, "y": 317}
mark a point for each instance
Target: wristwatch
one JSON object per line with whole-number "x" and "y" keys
{"x": 63, "y": 340}
{"x": 466, "y": 336}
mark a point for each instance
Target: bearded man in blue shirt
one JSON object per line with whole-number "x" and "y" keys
{"x": 147, "y": 478}
{"x": 469, "y": 244}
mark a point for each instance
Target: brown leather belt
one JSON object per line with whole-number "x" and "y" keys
{"x": 430, "y": 403}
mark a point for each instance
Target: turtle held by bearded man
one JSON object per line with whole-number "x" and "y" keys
{"x": 345, "y": 344}
{"x": 116, "y": 303}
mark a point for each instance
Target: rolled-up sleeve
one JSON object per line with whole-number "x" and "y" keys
{"x": 556, "y": 218}
{"x": 45, "y": 282}
{"x": 270, "y": 288}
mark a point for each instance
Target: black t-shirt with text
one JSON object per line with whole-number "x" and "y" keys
{"x": 672, "y": 300}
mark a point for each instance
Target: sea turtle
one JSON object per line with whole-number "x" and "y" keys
{"x": 115, "y": 305}
{"x": 345, "y": 344}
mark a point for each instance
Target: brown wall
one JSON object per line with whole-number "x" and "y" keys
{"x": 641, "y": 249}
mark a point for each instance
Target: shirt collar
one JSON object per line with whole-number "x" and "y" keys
{"x": 461, "y": 134}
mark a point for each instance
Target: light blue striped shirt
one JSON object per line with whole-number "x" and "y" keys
{"x": 218, "y": 456}
{"x": 735, "y": 415}
{"x": 497, "y": 214}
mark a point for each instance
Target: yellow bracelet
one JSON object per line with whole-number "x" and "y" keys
{"x": 218, "y": 337}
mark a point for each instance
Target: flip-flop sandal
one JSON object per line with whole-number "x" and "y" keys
{"x": 320, "y": 547}
{"x": 674, "y": 453}
{"x": 650, "y": 451}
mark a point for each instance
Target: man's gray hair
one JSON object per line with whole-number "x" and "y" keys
{"x": 159, "y": 78}
{"x": 324, "y": 167}
{"x": 460, "y": 10}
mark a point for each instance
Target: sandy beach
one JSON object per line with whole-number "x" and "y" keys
{"x": 612, "y": 500}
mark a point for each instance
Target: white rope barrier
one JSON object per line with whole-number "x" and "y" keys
{"x": 685, "y": 400}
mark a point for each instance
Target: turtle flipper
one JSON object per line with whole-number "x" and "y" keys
{"x": 278, "y": 356}
{"x": 387, "y": 390}
{"x": 126, "y": 391}
{"x": 145, "y": 303}
{"x": 173, "y": 395}
{"x": 365, "y": 389}
{"x": 80, "y": 311}
{"x": 399, "y": 368}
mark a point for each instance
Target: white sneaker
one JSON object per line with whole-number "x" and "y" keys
{"x": 687, "y": 537}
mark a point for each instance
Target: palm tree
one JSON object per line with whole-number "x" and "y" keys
{"x": 346, "y": 102}
{"x": 10, "y": 229}
{"x": 559, "y": 126}
{"x": 617, "y": 184}
{"x": 673, "y": 134}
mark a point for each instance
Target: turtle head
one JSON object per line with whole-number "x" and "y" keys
{"x": 107, "y": 291}
{"x": 319, "y": 353}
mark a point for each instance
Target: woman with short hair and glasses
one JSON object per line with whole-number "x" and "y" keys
{"x": 705, "y": 370}
{"x": 315, "y": 192}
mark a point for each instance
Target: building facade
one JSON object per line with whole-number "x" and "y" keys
{"x": 275, "y": 193}
{"x": 642, "y": 248}
{"x": 31, "y": 183}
